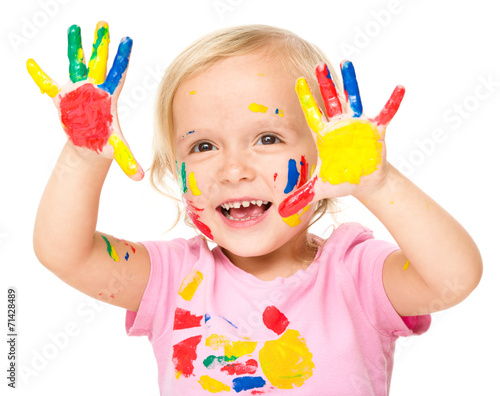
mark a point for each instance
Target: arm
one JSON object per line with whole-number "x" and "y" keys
{"x": 65, "y": 240}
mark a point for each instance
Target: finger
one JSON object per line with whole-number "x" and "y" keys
{"x": 391, "y": 107}
{"x": 77, "y": 67}
{"x": 351, "y": 88}
{"x": 120, "y": 65}
{"x": 328, "y": 91}
{"x": 99, "y": 59}
{"x": 309, "y": 105}
{"x": 44, "y": 82}
{"x": 298, "y": 200}
{"x": 123, "y": 156}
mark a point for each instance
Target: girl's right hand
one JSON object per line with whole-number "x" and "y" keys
{"x": 87, "y": 104}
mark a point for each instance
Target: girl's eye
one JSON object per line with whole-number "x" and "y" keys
{"x": 204, "y": 146}
{"x": 269, "y": 139}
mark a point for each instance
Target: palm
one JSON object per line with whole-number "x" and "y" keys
{"x": 87, "y": 103}
{"x": 351, "y": 147}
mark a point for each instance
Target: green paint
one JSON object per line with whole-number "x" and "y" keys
{"x": 77, "y": 67}
{"x": 212, "y": 361}
{"x": 111, "y": 250}
{"x": 181, "y": 176}
{"x": 102, "y": 35}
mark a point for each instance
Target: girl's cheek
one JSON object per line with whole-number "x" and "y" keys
{"x": 298, "y": 172}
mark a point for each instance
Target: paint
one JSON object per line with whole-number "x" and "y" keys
{"x": 215, "y": 341}
{"x": 195, "y": 217}
{"x": 86, "y": 116}
{"x": 44, "y": 82}
{"x": 257, "y": 108}
{"x": 351, "y": 88}
{"x": 246, "y": 383}
{"x": 349, "y": 151}
{"x": 127, "y": 256}
{"x": 119, "y": 67}
{"x": 182, "y": 174}
{"x": 293, "y": 176}
{"x": 98, "y": 60}
{"x": 275, "y": 176}
{"x": 122, "y": 155}
{"x": 275, "y": 320}
{"x": 303, "y": 171}
{"x": 391, "y": 107}
{"x": 184, "y": 353}
{"x": 237, "y": 349}
{"x": 287, "y": 361}
{"x": 249, "y": 367}
{"x": 192, "y": 92}
{"x": 328, "y": 91}
{"x": 77, "y": 67}
{"x": 111, "y": 250}
{"x": 407, "y": 264}
{"x": 183, "y": 319}
{"x": 294, "y": 220}
{"x": 309, "y": 106}
{"x": 298, "y": 200}
{"x": 212, "y": 385}
{"x": 190, "y": 284}
{"x": 278, "y": 112}
{"x": 192, "y": 184}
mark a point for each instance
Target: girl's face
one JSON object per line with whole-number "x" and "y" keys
{"x": 242, "y": 146}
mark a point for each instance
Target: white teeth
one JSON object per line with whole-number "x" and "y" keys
{"x": 236, "y": 205}
{"x": 259, "y": 202}
{"x": 245, "y": 204}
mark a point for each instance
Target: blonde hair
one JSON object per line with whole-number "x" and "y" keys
{"x": 297, "y": 56}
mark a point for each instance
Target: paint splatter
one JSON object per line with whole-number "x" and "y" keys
{"x": 407, "y": 264}
{"x": 86, "y": 117}
{"x": 287, "y": 361}
{"x": 246, "y": 383}
{"x": 304, "y": 166}
{"x": 249, "y": 367}
{"x": 278, "y": 112}
{"x": 127, "y": 256}
{"x": 182, "y": 178}
{"x": 191, "y": 212}
{"x": 237, "y": 349}
{"x": 257, "y": 108}
{"x": 275, "y": 320}
{"x": 192, "y": 92}
{"x": 111, "y": 250}
{"x": 184, "y": 354}
{"x": 275, "y": 176}
{"x": 184, "y": 319}
{"x": 294, "y": 220}
{"x": 190, "y": 284}
{"x": 212, "y": 385}
{"x": 215, "y": 341}
{"x": 298, "y": 200}
{"x": 212, "y": 362}
{"x": 193, "y": 185}
{"x": 293, "y": 176}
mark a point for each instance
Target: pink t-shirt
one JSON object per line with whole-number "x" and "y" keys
{"x": 326, "y": 330}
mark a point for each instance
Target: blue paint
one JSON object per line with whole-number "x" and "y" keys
{"x": 229, "y": 322}
{"x": 127, "y": 256}
{"x": 293, "y": 176}
{"x": 120, "y": 64}
{"x": 328, "y": 75}
{"x": 207, "y": 317}
{"x": 247, "y": 382}
{"x": 351, "y": 88}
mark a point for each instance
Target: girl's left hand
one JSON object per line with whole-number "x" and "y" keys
{"x": 351, "y": 146}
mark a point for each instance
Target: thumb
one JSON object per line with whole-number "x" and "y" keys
{"x": 124, "y": 157}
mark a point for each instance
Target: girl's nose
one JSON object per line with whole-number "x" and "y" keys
{"x": 235, "y": 169}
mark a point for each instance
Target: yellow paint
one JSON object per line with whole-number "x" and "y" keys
{"x": 122, "y": 155}
{"x": 280, "y": 113}
{"x": 407, "y": 264}
{"x": 309, "y": 105}
{"x": 294, "y": 220}
{"x": 212, "y": 385}
{"x": 286, "y": 362}
{"x": 190, "y": 284}
{"x": 177, "y": 374}
{"x": 193, "y": 185}
{"x": 257, "y": 108}
{"x": 192, "y": 92}
{"x": 237, "y": 349}
{"x": 98, "y": 63}
{"x": 43, "y": 81}
{"x": 216, "y": 341}
{"x": 349, "y": 151}
{"x": 260, "y": 74}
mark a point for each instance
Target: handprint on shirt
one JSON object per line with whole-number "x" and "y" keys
{"x": 87, "y": 104}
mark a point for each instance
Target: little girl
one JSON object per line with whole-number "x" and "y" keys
{"x": 272, "y": 309}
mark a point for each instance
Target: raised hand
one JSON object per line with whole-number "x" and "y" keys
{"x": 351, "y": 148}
{"x": 87, "y": 104}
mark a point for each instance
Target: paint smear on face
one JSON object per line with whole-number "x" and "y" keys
{"x": 275, "y": 320}
{"x": 286, "y": 362}
{"x": 184, "y": 319}
{"x": 249, "y": 367}
{"x": 303, "y": 171}
{"x": 257, "y": 108}
{"x": 111, "y": 250}
{"x": 212, "y": 385}
{"x": 293, "y": 176}
{"x": 86, "y": 116}
{"x": 349, "y": 152}
{"x": 278, "y": 112}
{"x": 246, "y": 383}
{"x": 183, "y": 356}
{"x": 190, "y": 284}
{"x": 294, "y": 220}
{"x": 407, "y": 264}
{"x": 193, "y": 185}
{"x": 192, "y": 92}
{"x": 297, "y": 201}
{"x": 192, "y": 212}
{"x": 275, "y": 176}
{"x": 182, "y": 178}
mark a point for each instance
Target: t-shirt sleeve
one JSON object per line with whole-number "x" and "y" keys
{"x": 365, "y": 259}
{"x": 169, "y": 260}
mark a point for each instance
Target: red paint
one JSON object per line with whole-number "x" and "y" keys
{"x": 304, "y": 170}
{"x": 184, "y": 354}
{"x": 86, "y": 116}
{"x": 391, "y": 107}
{"x": 190, "y": 208}
{"x": 328, "y": 91}
{"x": 298, "y": 200}
{"x": 275, "y": 176}
{"x": 275, "y": 320}
{"x": 250, "y": 367}
{"x": 184, "y": 319}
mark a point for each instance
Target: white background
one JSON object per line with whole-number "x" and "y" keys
{"x": 444, "y": 52}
